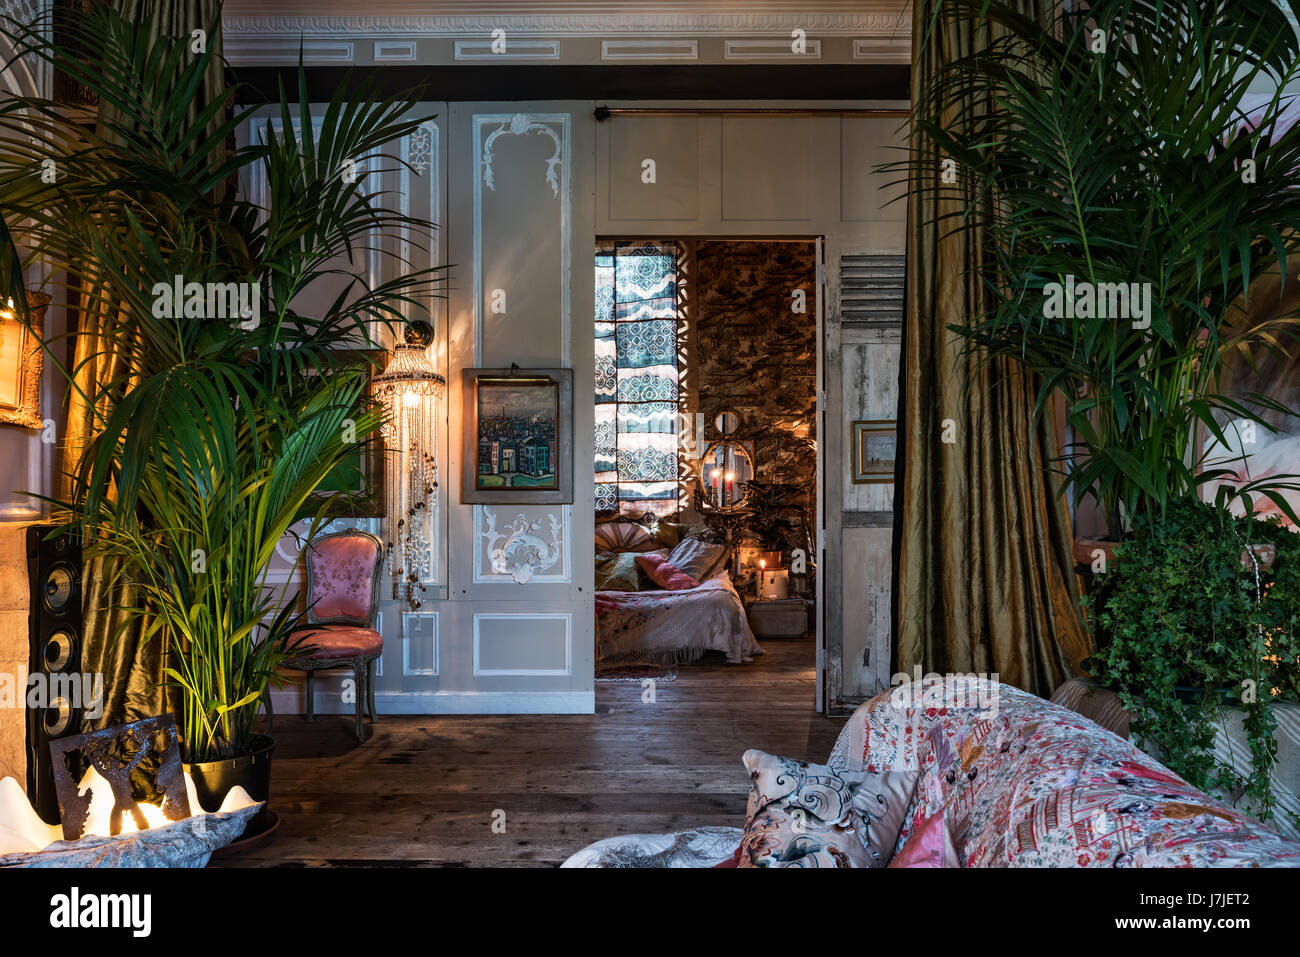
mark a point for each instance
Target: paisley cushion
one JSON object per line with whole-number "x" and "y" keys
{"x": 810, "y": 815}
{"x": 335, "y": 641}
{"x": 342, "y": 577}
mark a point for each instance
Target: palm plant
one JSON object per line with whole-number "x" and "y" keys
{"x": 211, "y": 434}
{"x": 1114, "y": 145}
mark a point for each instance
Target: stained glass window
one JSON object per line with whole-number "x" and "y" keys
{"x": 637, "y": 377}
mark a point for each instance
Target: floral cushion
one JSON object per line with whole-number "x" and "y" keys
{"x": 342, "y": 577}
{"x": 1025, "y": 783}
{"x": 808, "y": 815}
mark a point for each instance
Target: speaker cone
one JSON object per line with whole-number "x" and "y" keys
{"x": 59, "y": 648}
{"x": 60, "y": 587}
{"x": 57, "y": 716}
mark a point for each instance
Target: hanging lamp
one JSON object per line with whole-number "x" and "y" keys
{"x": 412, "y": 390}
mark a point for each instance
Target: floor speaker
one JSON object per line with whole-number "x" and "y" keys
{"x": 54, "y": 635}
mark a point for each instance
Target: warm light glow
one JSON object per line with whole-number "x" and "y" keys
{"x": 762, "y": 563}
{"x": 410, "y": 399}
{"x": 7, "y": 312}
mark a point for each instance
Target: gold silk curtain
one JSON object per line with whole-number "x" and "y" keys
{"x": 985, "y": 579}
{"x": 132, "y": 667}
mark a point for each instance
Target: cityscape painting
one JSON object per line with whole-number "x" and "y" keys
{"x": 516, "y": 434}
{"x": 518, "y": 440}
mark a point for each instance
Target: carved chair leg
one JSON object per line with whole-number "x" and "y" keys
{"x": 370, "y": 689}
{"x": 311, "y": 696}
{"x": 360, "y": 669}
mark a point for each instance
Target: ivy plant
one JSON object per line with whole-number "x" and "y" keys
{"x": 1197, "y": 621}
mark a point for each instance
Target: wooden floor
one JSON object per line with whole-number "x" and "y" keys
{"x": 422, "y": 791}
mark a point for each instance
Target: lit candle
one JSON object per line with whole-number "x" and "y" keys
{"x": 762, "y": 569}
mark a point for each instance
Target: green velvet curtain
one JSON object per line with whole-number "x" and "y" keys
{"x": 984, "y": 573}
{"x": 132, "y": 667}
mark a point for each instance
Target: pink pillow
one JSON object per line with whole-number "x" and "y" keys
{"x": 929, "y": 846}
{"x": 665, "y": 574}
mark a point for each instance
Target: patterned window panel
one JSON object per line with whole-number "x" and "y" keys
{"x": 638, "y": 377}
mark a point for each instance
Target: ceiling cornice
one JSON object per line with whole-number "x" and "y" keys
{"x": 880, "y": 25}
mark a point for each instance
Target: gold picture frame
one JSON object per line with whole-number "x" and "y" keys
{"x": 21, "y": 360}
{"x": 870, "y": 467}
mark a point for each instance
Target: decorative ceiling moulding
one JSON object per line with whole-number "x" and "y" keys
{"x": 883, "y": 51}
{"x": 261, "y": 49}
{"x": 776, "y": 48}
{"x": 892, "y": 21}
{"x": 649, "y": 49}
{"x": 484, "y": 49}
{"x": 394, "y": 51}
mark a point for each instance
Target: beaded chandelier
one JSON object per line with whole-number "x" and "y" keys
{"x": 411, "y": 388}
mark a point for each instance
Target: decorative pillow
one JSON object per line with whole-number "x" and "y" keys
{"x": 929, "y": 846}
{"x": 618, "y": 573}
{"x": 697, "y": 558}
{"x": 809, "y": 815}
{"x": 664, "y": 574}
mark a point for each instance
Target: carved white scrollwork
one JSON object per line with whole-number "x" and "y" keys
{"x": 421, "y": 146}
{"x": 520, "y": 125}
{"x": 519, "y": 552}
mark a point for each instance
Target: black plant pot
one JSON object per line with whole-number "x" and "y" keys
{"x": 252, "y": 772}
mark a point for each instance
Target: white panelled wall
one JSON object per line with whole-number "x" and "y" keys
{"x": 509, "y": 188}
{"x": 519, "y": 192}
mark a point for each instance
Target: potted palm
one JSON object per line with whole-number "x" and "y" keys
{"x": 1125, "y": 187}
{"x": 212, "y": 432}
{"x": 1127, "y": 209}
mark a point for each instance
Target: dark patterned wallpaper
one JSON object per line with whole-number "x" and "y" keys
{"x": 754, "y": 354}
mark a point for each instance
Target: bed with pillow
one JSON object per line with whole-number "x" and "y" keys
{"x": 663, "y": 594}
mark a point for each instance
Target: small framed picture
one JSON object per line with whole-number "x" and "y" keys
{"x": 874, "y": 445}
{"x": 517, "y": 446}
{"x": 359, "y": 478}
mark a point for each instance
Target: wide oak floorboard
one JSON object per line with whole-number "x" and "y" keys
{"x": 423, "y": 790}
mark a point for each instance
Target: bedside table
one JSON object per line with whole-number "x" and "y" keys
{"x": 784, "y": 618}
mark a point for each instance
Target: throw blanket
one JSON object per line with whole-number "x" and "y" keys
{"x": 1027, "y": 783}
{"x": 698, "y": 847}
{"x": 674, "y": 627}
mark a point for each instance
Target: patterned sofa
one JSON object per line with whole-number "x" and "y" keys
{"x": 1021, "y": 782}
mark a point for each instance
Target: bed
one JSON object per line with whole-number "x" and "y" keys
{"x": 645, "y": 623}
{"x": 674, "y": 626}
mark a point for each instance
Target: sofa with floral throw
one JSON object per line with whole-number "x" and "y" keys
{"x": 1003, "y": 778}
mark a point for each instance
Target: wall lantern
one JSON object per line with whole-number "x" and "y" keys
{"x": 412, "y": 390}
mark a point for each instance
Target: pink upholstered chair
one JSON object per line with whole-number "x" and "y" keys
{"x": 343, "y": 572}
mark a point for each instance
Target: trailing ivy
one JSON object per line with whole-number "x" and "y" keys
{"x": 1193, "y": 625}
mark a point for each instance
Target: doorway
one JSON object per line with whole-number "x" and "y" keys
{"x": 707, "y": 457}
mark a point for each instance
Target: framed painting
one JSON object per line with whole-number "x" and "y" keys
{"x": 517, "y": 436}
{"x": 360, "y": 476}
{"x": 21, "y": 358}
{"x": 874, "y": 444}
